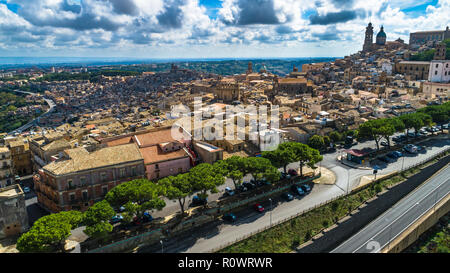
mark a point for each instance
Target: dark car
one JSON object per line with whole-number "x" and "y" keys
{"x": 297, "y": 190}
{"x": 258, "y": 207}
{"x": 384, "y": 143}
{"x": 116, "y": 219}
{"x": 241, "y": 188}
{"x": 292, "y": 172}
{"x": 230, "y": 217}
{"x": 306, "y": 188}
{"x": 229, "y": 191}
{"x": 385, "y": 159}
{"x": 287, "y": 196}
{"x": 26, "y": 190}
{"x": 147, "y": 217}
{"x": 249, "y": 185}
{"x": 285, "y": 176}
{"x": 197, "y": 201}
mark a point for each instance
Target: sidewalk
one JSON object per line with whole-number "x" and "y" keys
{"x": 327, "y": 178}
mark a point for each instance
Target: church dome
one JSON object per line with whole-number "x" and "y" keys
{"x": 381, "y": 37}
{"x": 381, "y": 33}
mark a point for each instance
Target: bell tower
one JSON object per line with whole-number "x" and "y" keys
{"x": 368, "y": 41}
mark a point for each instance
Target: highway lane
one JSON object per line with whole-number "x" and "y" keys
{"x": 393, "y": 222}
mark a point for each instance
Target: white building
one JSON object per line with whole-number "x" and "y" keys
{"x": 439, "y": 71}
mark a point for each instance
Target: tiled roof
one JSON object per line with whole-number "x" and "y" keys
{"x": 81, "y": 160}
{"x": 154, "y": 154}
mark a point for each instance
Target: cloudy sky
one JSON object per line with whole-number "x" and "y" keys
{"x": 207, "y": 28}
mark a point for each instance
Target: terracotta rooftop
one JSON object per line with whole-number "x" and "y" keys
{"x": 154, "y": 154}
{"x": 292, "y": 80}
{"x": 154, "y": 138}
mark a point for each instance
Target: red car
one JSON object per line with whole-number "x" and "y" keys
{"x": 258, "y": 207}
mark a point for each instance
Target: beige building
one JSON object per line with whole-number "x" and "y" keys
{"x": 432, "y": 90}
{"x": 13, "y": 212}
{"x": 6, "y": 174}
{"x": 416, "y": 70}
{"x": 227, "y": 90}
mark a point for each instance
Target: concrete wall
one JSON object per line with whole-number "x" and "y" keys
{"x": 419, "y": 227}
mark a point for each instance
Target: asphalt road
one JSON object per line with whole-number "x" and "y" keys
{"x": 50, "y": 103}
{"x": 212, "y": 236}
{"x": 393, "y": 222}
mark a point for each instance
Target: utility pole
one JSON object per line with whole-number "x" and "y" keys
{"x": 270, "y": 199}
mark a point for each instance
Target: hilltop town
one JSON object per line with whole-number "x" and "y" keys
{"x": 98, "y": 134}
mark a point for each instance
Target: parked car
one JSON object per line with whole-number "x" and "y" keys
{"x": 287, "y": 196}
{"x": 292, "y": 172}
{"x": 306, "y": 188}
{"x": 122, "y": 209}
{"x": 147, "y": 217}
{"x": 241, "y": 188}
{"x": 285, "y": 176}
{"x": 249, "y": 185}
{"x": 229, "y": 191}
{"x": 412, "y": 149}
{"x": 420, "y": 148}
{"x": 230, "y": 217}
{"x": 297, "y": 190}
{"x": 26, "y": 190}
{"x": 445, "y": 126}
{"x": 393, "y": 155}
{"x": 116, "y": 219}
{"x": 258, "y": 207}
{"x": 197, "y": 201}
{"x": 137, "y": 221}
{"x": 384, "y": 143}
{"x": 385, "y": 159}
{"x": 411, "y": 135}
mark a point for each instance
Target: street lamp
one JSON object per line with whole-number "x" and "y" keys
{"x": 270, "y": 199}
{"x": 162, "y": 246}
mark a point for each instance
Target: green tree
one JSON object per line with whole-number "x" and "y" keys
{"x": 335, "y": 136}
{"x": 256, "y": 166}
{"x": 204, "y": 178}
{"x": 316, "y": 142}
{"x": 306, "y": 155}
{"x": 178, "y": 188}
{"x": 376, "y": 129}
{"x": 282, "y": 156}
{"x": 137, "y": 196}
{"x": 50, "y": 232}
{"x": 96, "y": 219}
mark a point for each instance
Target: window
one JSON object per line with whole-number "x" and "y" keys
{"x": 105, "y": 190}
{"x": 122, "y": 172}
{"x": 85, "y": 195}
{"x": 70, "y": 182}
{"x": 156, "y": 166}
{"x": 435, "y": 72}
{"x": 103, "y": 177}
{"x": 72, "y": 197}
{"x": 83, "y": 181}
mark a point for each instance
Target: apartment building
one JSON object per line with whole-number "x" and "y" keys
{"x": 81, "y": 178}
{"x": 6, "y": 174}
